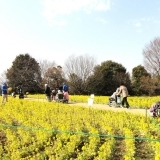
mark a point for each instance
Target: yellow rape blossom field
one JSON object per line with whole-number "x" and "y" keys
{"x": 135, "y": 102}
{"x": 40, "y": 130}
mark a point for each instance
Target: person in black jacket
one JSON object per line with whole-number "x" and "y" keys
{"x": 47, "y": 91}
{"x": 20, "y": 92}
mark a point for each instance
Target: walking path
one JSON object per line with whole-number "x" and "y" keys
{"x": 101, "y": 106}
{"x": 106, "y": 107}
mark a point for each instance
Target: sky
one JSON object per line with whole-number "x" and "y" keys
{"x": 54, "y": 30}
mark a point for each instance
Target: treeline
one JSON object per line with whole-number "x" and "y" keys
{"x": 84, "y": 76}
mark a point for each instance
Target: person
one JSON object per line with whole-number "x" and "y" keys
{"x": 117, "y": 97}
{"x": 153, "y": 109}
{"x": 65, "y": 96}
{"x": 117, "y": 90}
{"x": 4, "y": 89}
{"x": 53, "y": 94}
{"x": 65, "y": 87}
{"x": 123, "y": 91}
{"x": 113, "y": 96}
{"x": 47, "y": 91}
{"x": 14, "y": 94}
{"x": 20, "y": 92}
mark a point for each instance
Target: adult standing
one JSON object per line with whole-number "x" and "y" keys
{"x": 53, "y": 95}
{"x": 4, "y": 89}
{"x": 123, "y": 91}
{"x": 65, "y": 87}
{"x": 47, "y": 91}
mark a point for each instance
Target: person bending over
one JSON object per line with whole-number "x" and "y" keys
{"x": 123, "y": 91}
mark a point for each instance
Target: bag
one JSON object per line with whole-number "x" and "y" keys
{"x": 21, "y": 96}
{"x": 118, "y": 99}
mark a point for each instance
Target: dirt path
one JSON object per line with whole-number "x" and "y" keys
{"x": 103, "y": 106}
{"x": 100, "y": 106}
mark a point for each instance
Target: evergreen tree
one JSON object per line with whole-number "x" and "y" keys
{"x": 25, "y": 71}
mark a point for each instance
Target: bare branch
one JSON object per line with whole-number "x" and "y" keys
{"x": 151, "y": 54}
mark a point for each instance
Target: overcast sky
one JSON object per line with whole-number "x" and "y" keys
{"x": 53, "y": 30}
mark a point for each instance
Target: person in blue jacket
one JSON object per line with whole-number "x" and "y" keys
{"x": 4, "y": 89}
{"x": 65, "y": 87}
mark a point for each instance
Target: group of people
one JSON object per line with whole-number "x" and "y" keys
{"x": 4, "y": 90}
{"x": 63, "y": 92}
{"x": 52, "y": 95}
{"x": 58, "y": 94}
{"x": 121, "y": 92}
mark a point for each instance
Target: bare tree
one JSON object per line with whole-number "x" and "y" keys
{"x": 151, "y": 54}
{"x": 153, "y": 84}
{"x": 3, "y": 77}
{"x": 45, "y": 65}
{"x": 81, "y": 67}
{"x": 54, "y": 77}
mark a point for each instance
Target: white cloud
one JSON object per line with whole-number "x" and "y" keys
{"x": 101, "y": 20}
{"x": 54, "y": 8}
{"x": 139, "y": 30}
{"x": 138, "y": 24}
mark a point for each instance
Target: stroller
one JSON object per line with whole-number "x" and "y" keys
{"x": 114, "y": 100}
{"x": 60, "y": 97}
